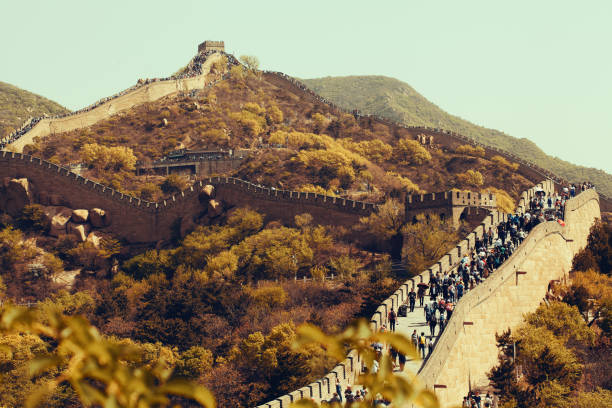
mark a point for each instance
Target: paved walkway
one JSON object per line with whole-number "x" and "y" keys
{"x": 415, "y": 321}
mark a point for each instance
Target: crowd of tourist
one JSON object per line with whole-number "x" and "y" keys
{"x": 475, "y": 400}
{"x": 194, "y": 68}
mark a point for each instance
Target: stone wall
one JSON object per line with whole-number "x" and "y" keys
{"x": 140, "y": 221}
{"x": 147, "y": 93}
{"x": 441, "y": 137}
{"x": 348, "y": 371}
{"x": 466, "y": 350}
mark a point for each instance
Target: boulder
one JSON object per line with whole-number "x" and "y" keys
{"x": 99, "y": 218}
{"x": 208, "y": 191}
{"x": 80, "y": 231}
{"x": 58, "y": 218}
{"x": 215, "y": 208}
{"x": 164, "y": 122}
{"x": 18, "y": 195}
{"x": 94, "y": 238}
{"x": 187, "y": 225}
{"x": 80, "y": 216}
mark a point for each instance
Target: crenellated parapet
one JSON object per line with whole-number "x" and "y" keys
{"x": 142, "y": 221}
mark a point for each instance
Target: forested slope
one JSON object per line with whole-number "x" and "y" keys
{"x": 17, "y": 105}
{"x": 398, "y": 101}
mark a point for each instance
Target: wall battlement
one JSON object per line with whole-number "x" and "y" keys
{"x": 453, "y": 197}
{"x": 145, "y": 221}
{"x": 579, "y": 213}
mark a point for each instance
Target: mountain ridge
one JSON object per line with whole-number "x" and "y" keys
{"x": 17, "y": 105}
{"x": 398, "y": 101}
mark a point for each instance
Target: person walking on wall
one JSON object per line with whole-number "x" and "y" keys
{"x": 339, "y": 389}
{"x": 392, "y": 318}
{"x": 432, "y": 324}
{"x": 412, "y": 299}
{"x": 422, "y": 343}
{"x": 421, "y": 295}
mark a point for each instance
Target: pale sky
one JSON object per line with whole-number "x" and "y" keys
{"x": 535, "y": 69}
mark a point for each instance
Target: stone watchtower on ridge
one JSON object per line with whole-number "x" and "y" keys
{"x": 454, "y": 205}
{"x": 211, "y": 46}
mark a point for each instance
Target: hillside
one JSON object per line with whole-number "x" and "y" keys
{"x": 17, "y": 105}
{"x": 398, "y": 101}
{"x": 296, "y": 143}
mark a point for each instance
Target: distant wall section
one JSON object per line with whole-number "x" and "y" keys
{"x": 144, "y": 94}
{"x": 139, "y": 221}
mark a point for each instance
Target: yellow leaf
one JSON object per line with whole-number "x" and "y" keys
{"x": 43, "y": 363}
{"x": 189, "y": 390}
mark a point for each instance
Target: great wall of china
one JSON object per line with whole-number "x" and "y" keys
{"x": 545, "y": 255}
{"x": 153, "y": 91}
{"x": 140, "y": 221}
{"x": 517, "y": 287}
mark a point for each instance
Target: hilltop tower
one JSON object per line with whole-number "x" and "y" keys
{"x": 211, "y": 46}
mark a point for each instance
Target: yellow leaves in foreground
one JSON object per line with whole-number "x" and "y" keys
{"x": 100, "y": 371}
{"x": 399, "y": 389}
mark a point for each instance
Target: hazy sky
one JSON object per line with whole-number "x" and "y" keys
{"x": 535, "y": 69}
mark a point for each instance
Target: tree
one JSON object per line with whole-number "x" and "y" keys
{"x": 251, "y": 62}
{"x": 400, "y": 390}
{"x": 591, "y": 292}
{"x": 471, "y": 178}
{"x": 32, "y": 218}
{"x": 427, "y": 240}
{"x": 505, "y": 203}
{"x": 409, "y": 151}
{"x": 96, "y": 368}
{"x": 173, "y": 184}
{"x": 387, "y": 221}
{"x": 108, "y": 158}
{"x": 598, "y": 252}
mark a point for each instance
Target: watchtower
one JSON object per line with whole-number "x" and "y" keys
{"x": 455, "y": 205}
{"x": 211, "y": 46}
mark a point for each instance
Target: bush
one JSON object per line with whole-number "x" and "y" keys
{"x": 503, "y": 163}
{"x": 149, "y": 191}
{"x": 471, "y": 178}
{"x": 409, "y": 151}
{"x": 32, "y": 218}
{"x": 108, "y": 158}
{"x": 275, "y": 115}
{"x": 470, "y": 150}
{"x": 173, "y": 184}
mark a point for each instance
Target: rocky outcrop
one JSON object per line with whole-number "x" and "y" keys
{"x": 94, "y": 239}
{"x": 208, "y": 192}
{"x": 80, "y": 216}
{"x": 80, "y": 231}
{"x": 215, "y": 208}
{"x": 18, "y": 194}
{"x": 57, "y": 218}
{"x": 99, "y": 218}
